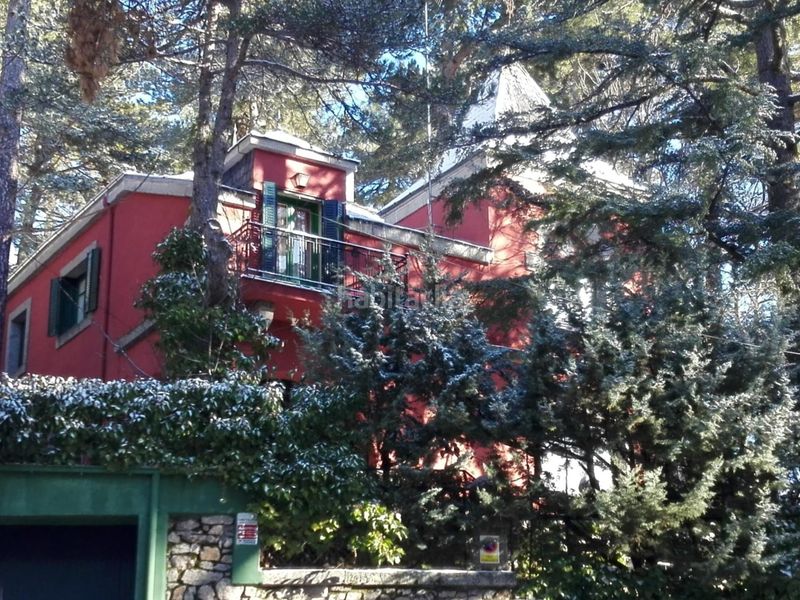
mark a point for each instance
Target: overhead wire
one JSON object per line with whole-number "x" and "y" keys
{"x": 429, "y": 151}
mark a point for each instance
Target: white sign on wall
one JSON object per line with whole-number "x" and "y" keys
{"x": 246, "y": 529}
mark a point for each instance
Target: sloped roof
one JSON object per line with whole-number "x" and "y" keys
{"x": 364, "y": 213}
{"x": 125, "y": 183}
{"x": 508, "y": 93}
{"x": 289, "y": 145}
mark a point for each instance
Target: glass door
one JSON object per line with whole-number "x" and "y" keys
{"x": 295, "y": 250}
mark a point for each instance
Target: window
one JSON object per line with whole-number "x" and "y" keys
{"x": 295, "y": 252}
{"x": 17, "y": 339}
{"x": 73, "y": 295}
{"x": 294, "y": 232}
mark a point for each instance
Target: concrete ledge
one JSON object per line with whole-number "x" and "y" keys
{"x": 415, "y": 238}
{"x": 388, "y": 578}
{"x": 134, "y": 335}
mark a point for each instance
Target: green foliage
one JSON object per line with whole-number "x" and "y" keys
{"x": 302, "y": 475}
{"x": 192, "y": 426}
{"x": 652, "y": 127}
{"x": 669, "y": 170}
{"x": 419, "y": 372}
{"x": 194, "y": 338}
{"x": 309, "y": 516}
{"x": 377, "y": 530}
{"x": 677, "y": 424}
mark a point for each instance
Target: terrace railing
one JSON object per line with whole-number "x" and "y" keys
{"x": 304, "y": 259}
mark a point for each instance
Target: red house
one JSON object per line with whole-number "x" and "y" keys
{"x": 290, "y": 214}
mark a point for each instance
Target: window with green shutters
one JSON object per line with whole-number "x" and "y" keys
{"x": 300, "y": 237}
{"x": 73, "y": 295}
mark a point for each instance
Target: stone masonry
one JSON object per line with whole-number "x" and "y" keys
{"x": 199, "y": 558}
{"x": 199, "y": 566}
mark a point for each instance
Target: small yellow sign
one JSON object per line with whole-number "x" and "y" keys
{"x": 490, "y": 550}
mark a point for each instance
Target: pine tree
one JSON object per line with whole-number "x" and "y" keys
{"x": 669, "y": 146}
{"x": 70, "y": 149}
{"x": 12, "y": 72}
{"x": 421, "y": 374}
{"x": 673, "y": 119}
{"x": 676, "y": 418}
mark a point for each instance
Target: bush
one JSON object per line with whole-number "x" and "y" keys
{"x": 296, "y": 462}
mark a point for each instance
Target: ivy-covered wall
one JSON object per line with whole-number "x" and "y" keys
{"x": 295, "y": 460}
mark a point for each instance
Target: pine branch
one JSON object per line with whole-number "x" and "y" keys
{"x": 305, "y": 76}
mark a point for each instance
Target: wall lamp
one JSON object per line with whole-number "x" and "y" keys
{"x": 266, "y": 310}
{"x": 300, "y": 180}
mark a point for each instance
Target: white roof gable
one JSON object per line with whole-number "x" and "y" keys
{"x": 508, "y": 93}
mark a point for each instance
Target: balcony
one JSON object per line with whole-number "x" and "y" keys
{"x": 303, "y": 259}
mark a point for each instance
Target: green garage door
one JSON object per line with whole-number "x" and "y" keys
{"x": 68, "y": 562}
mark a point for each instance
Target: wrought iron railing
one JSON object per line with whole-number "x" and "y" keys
{"x": 279, "y": 254}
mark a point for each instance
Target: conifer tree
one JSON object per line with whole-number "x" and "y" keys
{"x": 673, "y": 119}
{"x": 421, "y": 374}
{"x": 675, "y": 417}
{"x": 669, "y": 145}
{"x": 70, "y": 149}
{"x": 12, "y": 72}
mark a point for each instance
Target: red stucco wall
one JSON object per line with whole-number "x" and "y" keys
{"x": 126, "y": 233}
{"x": 484, "y": 223}
{"x": 474, "y": 227}
{"x": 141, "y": 221}
{"x": 490, "y": 223}
{"x": 324, "y": 182}
{"x": 81, "y": 355}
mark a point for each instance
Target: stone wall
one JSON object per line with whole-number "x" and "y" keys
{"x": 200, "y": 558}
{"x": 199, "y": 567}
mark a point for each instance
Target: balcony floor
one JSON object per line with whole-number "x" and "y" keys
{"x": 295, "y": 282}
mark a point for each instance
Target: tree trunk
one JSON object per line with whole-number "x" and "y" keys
{"x": 11, "y": 82}
{"x": 27, "y": 223}
{"x": 773, "y": 69}
{"x": 211, "y": 141}
{"x": 204, "y": 190}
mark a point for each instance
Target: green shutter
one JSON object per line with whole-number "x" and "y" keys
{"x": 332, "y": 216}
{"x": 92, "y": 279}
{"x": 55, "y": 307}
{"x": 269, "y": 218}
